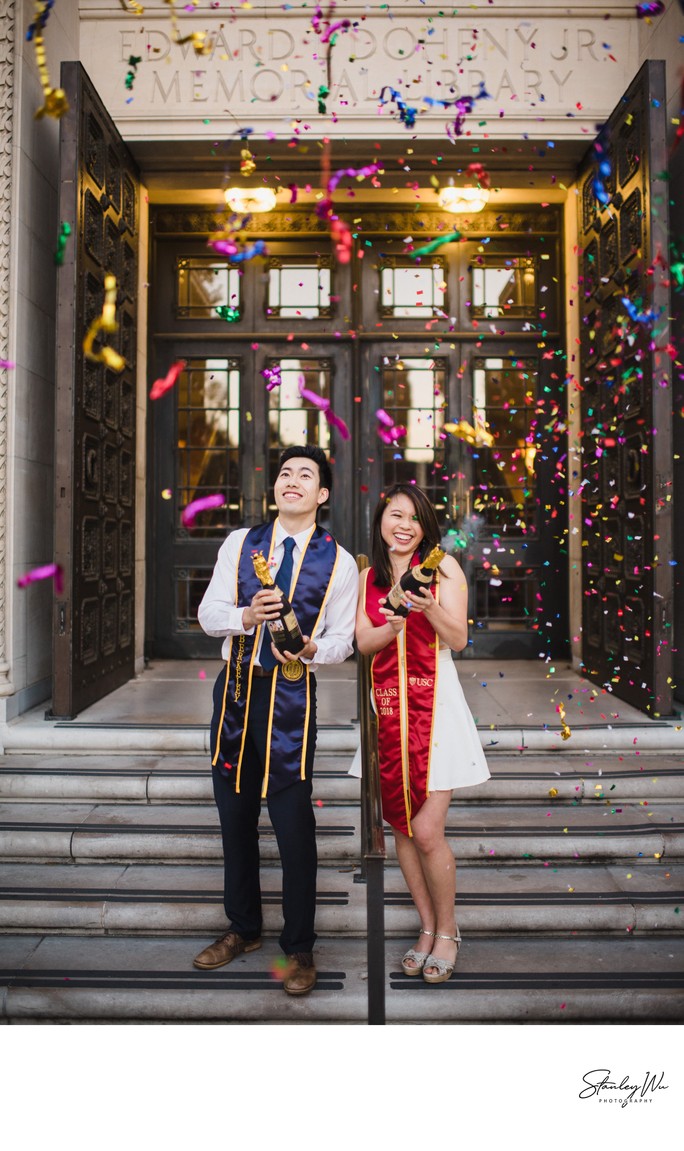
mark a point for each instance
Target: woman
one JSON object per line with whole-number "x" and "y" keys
{"x": 427, "y": 739}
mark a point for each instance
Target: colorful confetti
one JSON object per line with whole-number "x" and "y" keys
{"x": 407, "y": 115}
{"x": 105, "y": 323}
{"x": 324, "y": 405}
{"x": 476, "y": 435}
{"x": 387, "y": 430}
{"x": 64, "y": 233}
{"x": 190, "y": 513}
{"x": 565, "y": 730}
{"x": 428, "y": 249}
{"x": 159, "y": 387}
{"x": 272, "y": 376}
{"x": 48, "y": 571}
{"x": 202, "y": 42}
{"x": 229, "y": 248}
{"x": 463, "y": 105}
{"x": 55, "y": 100}
{"x": 340, "y": 233}
{"x": 133, "y": 62}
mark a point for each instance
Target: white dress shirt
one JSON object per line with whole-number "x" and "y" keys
{"x": 219, "y": 616}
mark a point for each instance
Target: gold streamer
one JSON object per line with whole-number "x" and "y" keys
{"x": 105, "y": 323}
{"x": 477, "y": 436}
{"x": 247, "y": 163}
{"x": 201, "y": 41}
{"x": 132, "y": 6}
{"x": 565, "y": 730}
{"x": 55, "y": 100}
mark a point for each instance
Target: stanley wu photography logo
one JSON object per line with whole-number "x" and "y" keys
{"x": 604, "y": 1086}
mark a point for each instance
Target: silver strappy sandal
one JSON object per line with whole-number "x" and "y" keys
{"x": 418, "y": 957}
{"x": 444, "y": 969}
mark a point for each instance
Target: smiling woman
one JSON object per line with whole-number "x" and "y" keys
{"x": 427, "y": 739}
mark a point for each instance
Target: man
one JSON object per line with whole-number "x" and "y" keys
{"x": 263, "y": 730}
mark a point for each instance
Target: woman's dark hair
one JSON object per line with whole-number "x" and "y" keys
{"x": 316, "y": 455}
{"x": 425, "y": 514}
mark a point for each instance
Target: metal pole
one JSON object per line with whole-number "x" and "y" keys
{"x": 373, "y": 852}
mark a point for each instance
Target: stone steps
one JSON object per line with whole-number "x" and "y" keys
{"x": 570, "y": 871}
{"x": 81, "y": 832}
{"x": 525, "y": 778}
{"x": 109, "y": 899}
{"x": 512, "y": 979}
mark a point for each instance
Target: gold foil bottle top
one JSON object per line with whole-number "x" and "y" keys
{"x": 433, "y": 559}
{"x": 262, "y": 569}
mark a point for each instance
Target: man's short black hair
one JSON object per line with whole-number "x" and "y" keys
{"x": 310, "y": 452}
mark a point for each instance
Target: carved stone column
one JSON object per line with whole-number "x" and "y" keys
{"x": 7, "y": 21}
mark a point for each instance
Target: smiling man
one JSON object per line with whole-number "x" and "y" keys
{"x": 263, "y": 730}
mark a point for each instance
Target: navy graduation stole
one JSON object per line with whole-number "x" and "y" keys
{"x": 290, "y": 688}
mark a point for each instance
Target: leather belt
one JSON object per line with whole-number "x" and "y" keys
{"x": 261, "y": 672}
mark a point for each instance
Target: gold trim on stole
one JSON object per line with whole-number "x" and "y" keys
{"x": 255, "y": 649}
{"x": 305, "y": 743}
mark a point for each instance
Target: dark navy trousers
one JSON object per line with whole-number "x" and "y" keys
{"x": 293, "y": 821}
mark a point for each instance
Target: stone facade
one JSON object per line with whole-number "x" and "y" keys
{"x": 554, "y": 76}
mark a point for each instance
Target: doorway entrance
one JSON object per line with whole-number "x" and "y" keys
{"x": 439, "y": 344}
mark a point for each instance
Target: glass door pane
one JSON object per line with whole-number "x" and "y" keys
{"x": 504, "y": 491}
{"x": 208, "y": 442}
{"x": 413, "y": 393}
{"x": 305, "y": 395}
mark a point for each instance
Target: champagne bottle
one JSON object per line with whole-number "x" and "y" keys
{"x": 415, "y": 578}
{"x": 285, "y": 631}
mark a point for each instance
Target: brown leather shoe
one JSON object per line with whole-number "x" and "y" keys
{"x": 224, "y": 950}
{"x": 300, "y": 973}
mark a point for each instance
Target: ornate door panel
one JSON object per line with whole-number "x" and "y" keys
{"x": 229, "y": 431}
{"x": 626, "y": 402}
{"x": 95, "y": 406}
{"x": 489, "y": 499}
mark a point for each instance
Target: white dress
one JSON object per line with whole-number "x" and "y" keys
{"x": 456, "y": 757}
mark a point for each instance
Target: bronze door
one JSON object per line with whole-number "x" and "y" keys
{"x": 490, "y": 498}
{"x": 221, "y": 431}
{"x": 429, "y": 341}
{"x": 626, "y": 402}
{"x": 93, "y": 644}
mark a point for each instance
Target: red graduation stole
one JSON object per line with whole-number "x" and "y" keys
{"x": 404, "y": 695}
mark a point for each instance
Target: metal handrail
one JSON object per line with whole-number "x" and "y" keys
{"x": 373, "y": 852}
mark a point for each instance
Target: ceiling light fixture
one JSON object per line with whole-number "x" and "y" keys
{"x": 463, "y": 199}
{"x": 247, "y": 201}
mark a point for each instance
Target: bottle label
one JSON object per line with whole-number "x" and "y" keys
{"x": 286, "y": 632}
{"x": 394, "y": 597}
{"x": 410, "y": 581}
{"x": 290, "y": 622}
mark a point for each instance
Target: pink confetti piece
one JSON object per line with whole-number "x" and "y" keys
{"x": 340, "y": 233}
{"x": 324, "y": 405}
{"x": 7, "y": 364}
{"x": 193, "y": 509}
{"x": 272, "y": 376}
{"x": 159, "y": 387}
{"x": 230, "y": 249}
{"x": 390, "y": 432}
{"x": 47, "y": 571}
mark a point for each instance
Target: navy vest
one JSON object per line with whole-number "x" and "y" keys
{"x": 290, "y": 698}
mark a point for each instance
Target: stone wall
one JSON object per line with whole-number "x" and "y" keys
{"x": 28, "y": 234}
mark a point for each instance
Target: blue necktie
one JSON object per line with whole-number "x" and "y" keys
{"x": 283, "y": 581}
